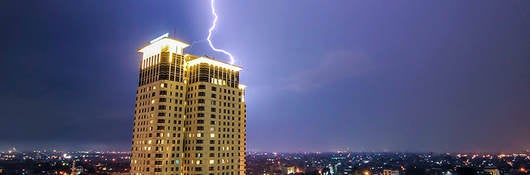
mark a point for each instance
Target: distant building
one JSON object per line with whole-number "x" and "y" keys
{"x": 390, "y": 172}
{"x": 75, "y": 170}
{"x": 190, "y": 114}
{"x": 492, "y": 171}
{"x": 288, "y": 170}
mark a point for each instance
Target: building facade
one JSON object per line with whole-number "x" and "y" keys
{"x": 190, "y": 114}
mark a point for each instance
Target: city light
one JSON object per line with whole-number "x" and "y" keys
{"x": 366, "y": 172}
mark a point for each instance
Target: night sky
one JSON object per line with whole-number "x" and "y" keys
{"x": 442, "y": 76}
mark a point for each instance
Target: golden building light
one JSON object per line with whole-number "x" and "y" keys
{"x": 190, "y": 113}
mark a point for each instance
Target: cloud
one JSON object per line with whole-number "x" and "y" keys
{"x": 334, "y": 66}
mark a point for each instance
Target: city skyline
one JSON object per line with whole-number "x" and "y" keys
{"x": 409, "y": 76}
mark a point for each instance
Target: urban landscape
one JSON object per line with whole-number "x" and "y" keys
{"x": 262, "y": 163}
{"x": 299, "y": 87}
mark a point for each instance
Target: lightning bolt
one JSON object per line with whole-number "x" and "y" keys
{"x": 214, "y": 24}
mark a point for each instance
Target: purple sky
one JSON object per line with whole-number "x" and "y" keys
{"x": 438, "y": 76}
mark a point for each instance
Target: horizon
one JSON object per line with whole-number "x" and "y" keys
{"x": 271, "y": 152}
{"x": 104, "y": 148}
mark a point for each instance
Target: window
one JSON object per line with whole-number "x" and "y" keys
{"x": 202, "y": 94}
{"x": 200, "y": 128}
{"x": 213, "y": 109}
{"x": 214, "y": 96}
{"x": 200, "y": 108}
{"x": 200, "y": 114}
{"x": 200, "y": 141}
{"x": 161, "y": 121}
{"x": 163, "y": 92}
{"x": 202, "y": 86}
{"x": 161, "y": 107}
{"x": 200, "y": 101}
{"x": 162, "y": 100}
{"x": 214, "y": 89}
{"x": 198, "y": 148}
{"x": 200, "y": 121}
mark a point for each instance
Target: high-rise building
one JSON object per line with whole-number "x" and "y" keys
{"x": 190, "y": 113}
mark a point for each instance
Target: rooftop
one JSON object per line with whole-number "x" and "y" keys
{"x": 205, "y": 59}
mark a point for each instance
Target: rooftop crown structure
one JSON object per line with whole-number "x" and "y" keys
{"x": 190, "y": 113}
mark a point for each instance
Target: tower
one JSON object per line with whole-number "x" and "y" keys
{"x": 190, "y": 113}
